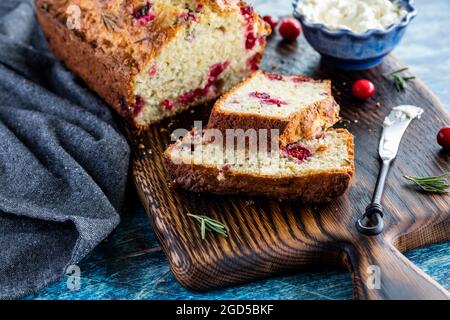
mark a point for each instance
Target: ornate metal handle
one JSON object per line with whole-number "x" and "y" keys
{"x": 371, "y": 223}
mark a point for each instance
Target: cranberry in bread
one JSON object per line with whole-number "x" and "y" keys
{"x": 150, "y": 59}
{"x": 298, "y": 106}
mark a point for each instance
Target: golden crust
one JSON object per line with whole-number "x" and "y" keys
{"x": 316, "y": 187}
{"x": 301, "y": 124}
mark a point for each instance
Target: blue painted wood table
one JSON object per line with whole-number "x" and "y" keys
{"x": 130, "y": 264}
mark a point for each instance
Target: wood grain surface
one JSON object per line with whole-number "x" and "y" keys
{"x": 269, "y": 237}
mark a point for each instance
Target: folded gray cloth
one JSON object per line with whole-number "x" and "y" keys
{"x": 63, "y": 163}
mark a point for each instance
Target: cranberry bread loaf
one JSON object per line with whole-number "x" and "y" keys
{"x": 298, "y": 106}
{"x": 150, "y": 59}
{"x": 315, "y": 170}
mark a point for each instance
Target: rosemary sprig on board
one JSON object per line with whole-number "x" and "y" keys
{"x": 110, "y": 21}
{"x": 400, "y": 80}
{"x": 209, "y": 225}
{"x": 435, "y": 184}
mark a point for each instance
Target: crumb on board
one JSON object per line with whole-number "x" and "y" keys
{"x": 249, "y": 203}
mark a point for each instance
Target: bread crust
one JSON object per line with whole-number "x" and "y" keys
{"x": 306, "y": 123}
{"x": 316, "y": 187}
{"x": 108, "y": 60}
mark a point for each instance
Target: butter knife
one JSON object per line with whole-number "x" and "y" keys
{"x": 394, "y": 125}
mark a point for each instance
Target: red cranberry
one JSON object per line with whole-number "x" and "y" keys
{"x": 274, "y": 76}
{"x": 278, "y": 102}
{"x": 259, "y": 95}
{"x": 250, "y": 40}
{"x": 273, "y": 22}
{"x": 298, "y": 152}
{"x": 143, "y": 14}
{"x": 247, "y": 12}
{"x": 290, "y": 29}
{"x": 264, "y": 98}
{"x": 140, "y": 102}
{"x": 191, "y": 96}
{"x": 188, "y": 17}
{"x": 152, "y": 71}
{"x": 198, "y": 6}
{"x": 253, "y": 62}
{"x": 443, "y": 138}
{"x": 167, "y": 104}
{"x": 363, "y": 89}
{"x": 299, "y": 79}
{"x": 214, "y": 72}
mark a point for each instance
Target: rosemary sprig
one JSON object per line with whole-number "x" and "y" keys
{"x": 399, "y": 80}
{"x": 435, "y": 184}
{"x": 208, "y": 224}
{"x": 110, "y": 21}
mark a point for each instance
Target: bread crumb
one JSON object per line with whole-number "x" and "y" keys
{"x": 378, "y": 105}
{"x": 249, "y": 203}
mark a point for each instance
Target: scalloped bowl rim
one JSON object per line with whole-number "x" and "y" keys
{"x": 408, "y": 6}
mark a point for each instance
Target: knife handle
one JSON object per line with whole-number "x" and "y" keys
{"x": 371, "y": 223}
{"x": 379, "y": 186}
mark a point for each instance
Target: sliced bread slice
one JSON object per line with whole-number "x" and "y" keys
{"x": 298, "y": 106}
{"x": 315, "y": 170}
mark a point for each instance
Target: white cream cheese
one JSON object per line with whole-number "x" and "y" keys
{"x": 402, "y": 113}
{"x": 355, "y": 15}
{"x": 394, "y": 126}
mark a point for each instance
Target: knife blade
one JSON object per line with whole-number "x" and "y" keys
{"x": 394, "y": 126}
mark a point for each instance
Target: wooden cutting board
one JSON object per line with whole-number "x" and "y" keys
{"x": 268, "y": 237}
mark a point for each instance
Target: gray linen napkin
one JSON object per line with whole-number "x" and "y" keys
{"x": 63, "y": 163}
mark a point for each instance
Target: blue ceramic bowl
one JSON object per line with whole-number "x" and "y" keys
{"x": 355, "y": 51}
